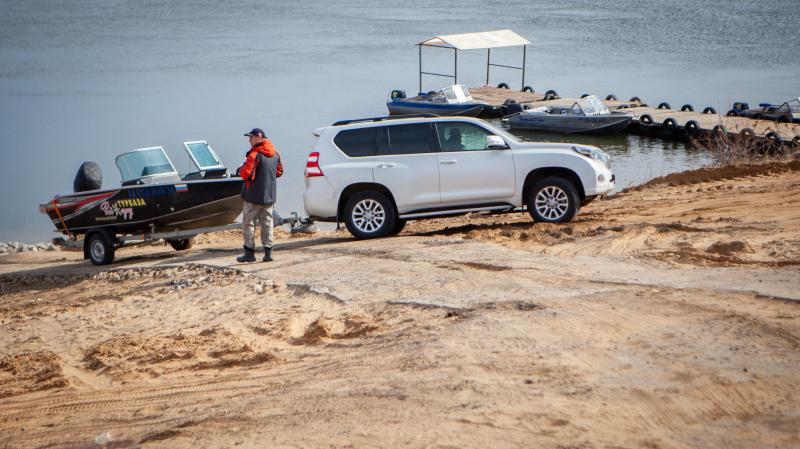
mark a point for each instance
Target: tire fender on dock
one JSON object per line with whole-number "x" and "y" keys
{"x": 747, "y": 133}
{"x": 709, "y": 110}
{"x": 635, "y": 99}
{"x": 691, "y": 127}
{"x": 528, "y": 89}
{"x": 611, "y": 97}
{"x": 669, "y": 125}
{"x": 502, "y": 86}
{"x": 687, "y": 107}
{"x": 664, "y": 105}
{"x": 646, "y": 119}
{"x": 719, "y": 130}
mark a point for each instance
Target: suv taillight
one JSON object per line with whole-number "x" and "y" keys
{"x": 312, "y": 165}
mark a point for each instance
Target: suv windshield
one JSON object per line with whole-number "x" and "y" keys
{"x": 145, "y": 162}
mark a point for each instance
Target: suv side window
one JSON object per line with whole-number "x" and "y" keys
{"x": 405, "y": 139}
{"x": 357, "y": 142}
{"x": 460, "y": 136}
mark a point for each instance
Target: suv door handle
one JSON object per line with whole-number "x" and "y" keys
{"x": 448, "y": 162}
{"x": 386, "y": 165}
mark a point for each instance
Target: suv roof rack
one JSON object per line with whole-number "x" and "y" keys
{"x": 380, "y": 119}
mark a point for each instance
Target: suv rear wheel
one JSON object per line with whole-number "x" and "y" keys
{"x": 369, "y": 215}
{"x": 553, "y": 200}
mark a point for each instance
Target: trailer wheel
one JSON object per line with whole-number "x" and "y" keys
{"x": 664, "y": 105}
{"x": 528, "y": 89}
{"x": 502, "y": 86}
{"x": 687, "y": 107}
{"x": 709, "y": 110}
{"x": 732, "y": 113}
{"x": 635, "y": 99}
{"x": 611, "y": 97}
{"x": 182, "y": 244}
{"x": 100, "y": 250}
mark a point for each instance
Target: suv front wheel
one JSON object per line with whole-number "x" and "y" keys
{"x": 369, "y": 215}
{"x": 553, "y": 200}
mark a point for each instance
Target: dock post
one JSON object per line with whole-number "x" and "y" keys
{"x": 488, "y": 62}
{"x": 524, "y": 47}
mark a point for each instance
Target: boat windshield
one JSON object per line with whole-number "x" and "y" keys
{"x": 792, "y": 106}
{"x": 202, "y": 155}
{"x": 457, "y": 93}
{"x": 590, "y": 105}
{"x": 144, "y": 163}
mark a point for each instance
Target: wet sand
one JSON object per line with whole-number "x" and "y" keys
{"x": 665, "y": 317}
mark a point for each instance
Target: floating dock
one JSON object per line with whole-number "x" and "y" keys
{"x": 661, "y": 120}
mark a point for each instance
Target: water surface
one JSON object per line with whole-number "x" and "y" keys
{"x": 89, "y": 79}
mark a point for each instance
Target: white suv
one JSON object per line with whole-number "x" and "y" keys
{"x": 374, "y": 174}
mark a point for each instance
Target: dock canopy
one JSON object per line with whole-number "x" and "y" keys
{"x": 486, "y": 40}
{"x": 477, "y": 41}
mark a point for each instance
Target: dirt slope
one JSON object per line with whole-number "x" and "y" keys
{"x": 667, "y": 317}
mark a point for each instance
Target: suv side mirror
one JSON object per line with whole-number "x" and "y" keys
{"x": 495, "y": 143}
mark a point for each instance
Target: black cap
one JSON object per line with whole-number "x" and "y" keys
{"x": 256, "y": 132}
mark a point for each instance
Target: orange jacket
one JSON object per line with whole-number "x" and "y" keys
{"x": 248, "y": 170}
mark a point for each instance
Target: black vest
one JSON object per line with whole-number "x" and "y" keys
{"x": 263, "y": 187}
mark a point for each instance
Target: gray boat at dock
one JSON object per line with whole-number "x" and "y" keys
{"x": 587, "y": 115}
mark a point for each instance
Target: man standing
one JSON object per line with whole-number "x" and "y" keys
{"x": 262, "y": 166}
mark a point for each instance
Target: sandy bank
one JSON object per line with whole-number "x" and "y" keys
{"x": 666, "y": 317}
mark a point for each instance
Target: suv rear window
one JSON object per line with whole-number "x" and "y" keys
{"x": 357, "y": 142}
{"x": 405, "y": 139}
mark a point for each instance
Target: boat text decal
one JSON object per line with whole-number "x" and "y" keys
{"x": 151, "y": 192}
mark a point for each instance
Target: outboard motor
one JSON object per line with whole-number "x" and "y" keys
{"x": 398, "y": 94}
{"x": 89, "y": 177}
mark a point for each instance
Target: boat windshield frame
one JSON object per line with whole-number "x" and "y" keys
{"x": 456, "y": 94}
{"x": 123, "y": 173}
{"x": 218, "y": 166}
{"x": 792, "y": 106}
{"x": 590, "y": 105}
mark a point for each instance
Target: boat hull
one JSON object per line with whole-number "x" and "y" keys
{"x": 149, "y": 208}
{"x": 425, "y": 107}
{"x": 602, "y": 124}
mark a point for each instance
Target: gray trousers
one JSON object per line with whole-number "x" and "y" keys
{"x": 252, "y": 214}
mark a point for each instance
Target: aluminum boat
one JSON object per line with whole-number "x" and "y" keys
{"x": 587, "y": 115}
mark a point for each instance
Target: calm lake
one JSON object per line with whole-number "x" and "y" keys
{"x": 88, "y": 80}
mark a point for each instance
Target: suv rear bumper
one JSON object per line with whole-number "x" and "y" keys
{"x": 320, "y": 200}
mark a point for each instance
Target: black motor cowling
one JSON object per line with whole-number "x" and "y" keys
{"x": 89, "y": 177}
{"x": 398, "y": 94}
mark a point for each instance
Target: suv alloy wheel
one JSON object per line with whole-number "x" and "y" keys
{"x": 369, "y": 215}
{"x": 553, "y": 200}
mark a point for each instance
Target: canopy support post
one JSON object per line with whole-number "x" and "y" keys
{"x": 524, "y": 52}
{"x": 420, "y": 68}
{"x": 488, "y": 63}
{"x": 455, "y": 65}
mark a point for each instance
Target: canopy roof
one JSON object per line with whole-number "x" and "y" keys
{"x": 474, "y": 41}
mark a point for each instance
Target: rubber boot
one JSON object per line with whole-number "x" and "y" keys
{"x": 249, "y": 255}
{"x": 267, "y": 255}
